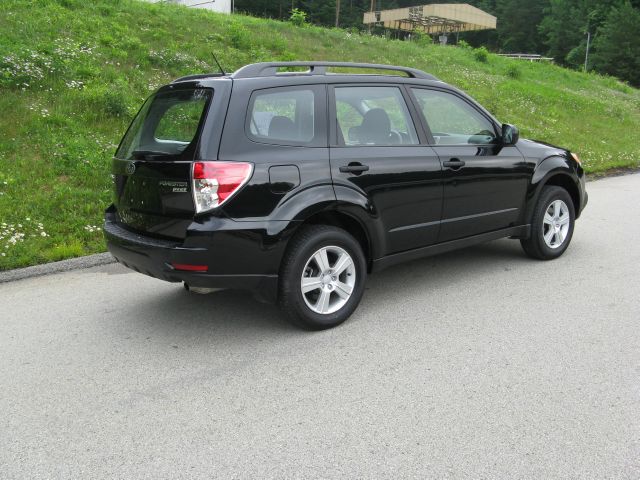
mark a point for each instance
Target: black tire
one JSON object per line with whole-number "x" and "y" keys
{"x": 535, "y": 246}
{"x": 299, "y": 252}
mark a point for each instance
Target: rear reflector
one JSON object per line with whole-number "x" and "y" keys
{"x": 190, "y": 268}
{"x": 215, "y": 182}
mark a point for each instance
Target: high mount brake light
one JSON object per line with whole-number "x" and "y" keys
{"x": 215, "y": 182}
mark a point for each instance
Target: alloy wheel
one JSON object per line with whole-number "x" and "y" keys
{"x": 328, "y": 280}
{"x": 556, "y": 224}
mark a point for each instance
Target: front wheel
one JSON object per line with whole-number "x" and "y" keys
{"x": 322, "y": 277}
{"x": 552, "y": 224}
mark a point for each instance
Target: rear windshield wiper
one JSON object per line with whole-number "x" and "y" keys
{"x": 144, "y": 154}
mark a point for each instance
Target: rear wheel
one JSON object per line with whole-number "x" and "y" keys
{"x": 552, "y": 224}
{"x": 322, "y": 277}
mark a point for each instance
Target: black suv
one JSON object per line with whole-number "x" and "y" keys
{"x": 296, "y": 181}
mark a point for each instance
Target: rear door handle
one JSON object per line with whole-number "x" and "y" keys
{"x": 454, "y": 163}
{"x": 356, "y": 168}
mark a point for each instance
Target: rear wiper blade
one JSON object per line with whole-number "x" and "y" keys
{"x": 148, "y": 153}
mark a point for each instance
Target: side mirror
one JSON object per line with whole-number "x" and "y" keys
{"x": 510, "y": 134}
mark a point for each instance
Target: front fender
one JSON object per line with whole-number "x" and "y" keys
{"x": 553, "y": 166}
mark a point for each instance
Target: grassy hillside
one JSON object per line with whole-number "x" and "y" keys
{"x": 73, "y": 72}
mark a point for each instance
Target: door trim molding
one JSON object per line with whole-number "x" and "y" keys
{"x": 450, "y": 220}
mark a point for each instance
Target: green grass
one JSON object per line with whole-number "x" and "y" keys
{"x": 73, "y": 73}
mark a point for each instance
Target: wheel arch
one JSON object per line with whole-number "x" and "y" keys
{"x": 556, "y": 171}
{"x": 565, "y": 181}
{"x": 347, "y": 222}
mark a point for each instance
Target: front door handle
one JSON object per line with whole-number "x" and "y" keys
{"x": 356, "y": 168}
{"x": 454, "y": 163}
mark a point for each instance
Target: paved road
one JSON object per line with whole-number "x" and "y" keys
{"x": 477, "y": 364}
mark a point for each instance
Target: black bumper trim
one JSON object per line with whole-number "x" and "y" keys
{"x": 115, "y": 230}
{"x": 153, "y": 257}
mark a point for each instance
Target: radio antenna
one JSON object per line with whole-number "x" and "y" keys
{"x": 218, "y": 63}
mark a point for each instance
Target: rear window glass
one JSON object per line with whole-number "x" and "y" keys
{"x": 282, "y": 116}
{"x": 167, "y": 125}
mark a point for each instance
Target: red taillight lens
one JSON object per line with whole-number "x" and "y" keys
{"x": 215, "y": 182}
{"x": 187, "y": 267}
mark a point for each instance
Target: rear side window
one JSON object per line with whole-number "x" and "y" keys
{"x": 166, "y": 126}
{"x": 283, "y": 116}
{"x": 373, "y": 116}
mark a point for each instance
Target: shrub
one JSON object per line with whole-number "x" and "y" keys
{"x": 421, "y": 39}
{"x": 513, "y": 71}
{"x": 277, "y": 44}
{"x": 107, "y": 99}
{"x": 481, "y": 54}
{"x": 240, "y": 37}
{"x": 298, "y": 17}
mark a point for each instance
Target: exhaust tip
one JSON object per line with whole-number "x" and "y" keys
{"x": 200, "y": 290}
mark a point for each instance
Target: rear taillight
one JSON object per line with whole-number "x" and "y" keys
{"x": 215, "y": 182}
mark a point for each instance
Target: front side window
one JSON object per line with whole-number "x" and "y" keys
{"x": 166, "y": 125}
{"x": 453, "y": 121}
{"x": 373, "y": 116}
{"x": 282, "y": 116}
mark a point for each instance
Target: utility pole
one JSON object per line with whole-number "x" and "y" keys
{"x": 337, "y": 13}
{"x": 586, "y": 55}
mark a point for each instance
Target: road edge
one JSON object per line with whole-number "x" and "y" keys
{"x": 613, "y": 172}
{"x": 78, "y": 263}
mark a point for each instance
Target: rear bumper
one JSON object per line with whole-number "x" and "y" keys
{"x": 255, "y": 266}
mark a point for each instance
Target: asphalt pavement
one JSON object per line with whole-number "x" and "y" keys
{"x": 480, "y": 363}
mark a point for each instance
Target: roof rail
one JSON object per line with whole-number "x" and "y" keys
{"x": 197, "y": 76}
{"x": 268, "y": 69}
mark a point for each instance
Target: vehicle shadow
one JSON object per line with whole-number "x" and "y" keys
{"x": 231, "y": 312}
{"x": 450, "y": 268}
{"x": 221, "y": 311}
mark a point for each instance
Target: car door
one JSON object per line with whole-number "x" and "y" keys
{"x": 484, "y": 181}
{"x": 379, "y": 152}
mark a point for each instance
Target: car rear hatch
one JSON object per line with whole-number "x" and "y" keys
{"x": 152, "y": 166}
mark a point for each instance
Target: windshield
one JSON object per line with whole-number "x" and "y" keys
{"x": 166, "y": 126}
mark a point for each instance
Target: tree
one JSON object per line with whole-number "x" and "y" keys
{"x": 565, "y": 25}
{"x": 617, "y": 46}
{"x": 518, "y": 22}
